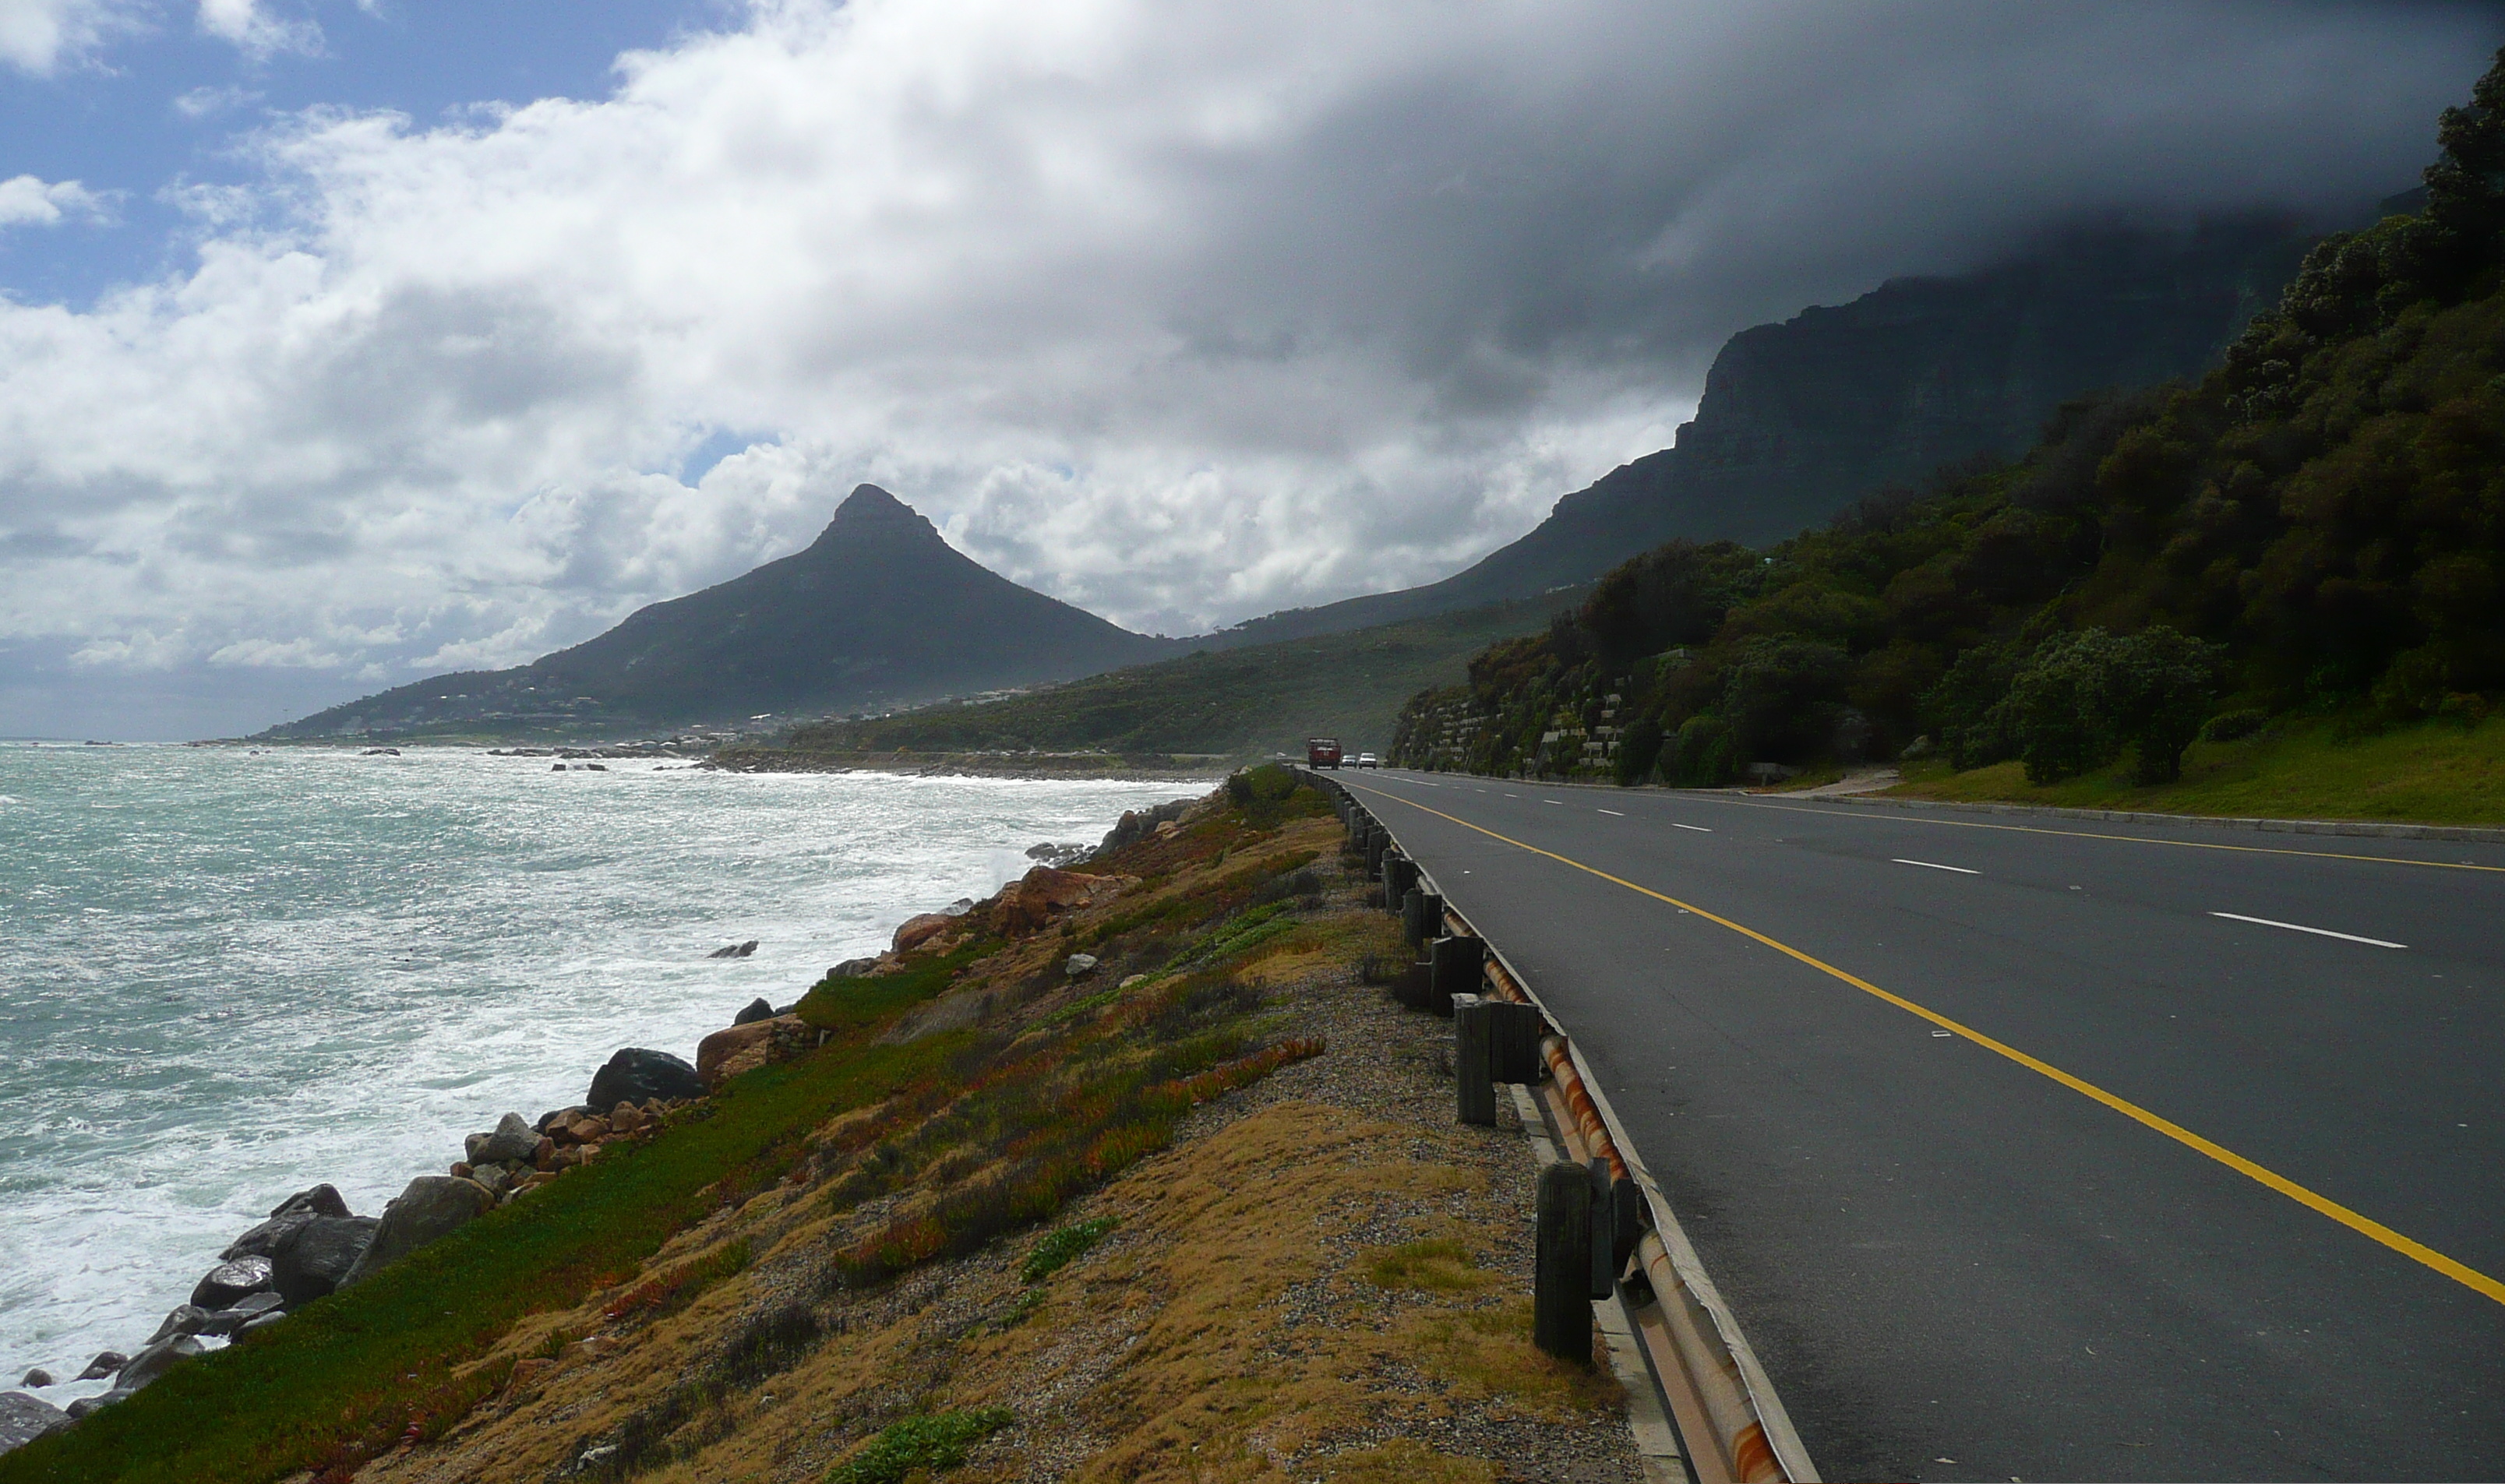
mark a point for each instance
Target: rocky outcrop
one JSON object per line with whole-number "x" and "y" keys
{"x": 759, "y": 1009}
{"x": 917, "y": 931}
{"x": 1030, "y": 902}
{"x": 309, "y": 1261}
{"x": 639, "y": 1074}
{"x": 228, "y": 1282}
{"x": 431, "y": 1208}
{"x": 512, "y": 1140}
{"x": 1137, "y": 825}
{"x": 739, "y": 1048}
{"x": 284, "y": 1218}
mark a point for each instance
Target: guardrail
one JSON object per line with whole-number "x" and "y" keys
{"x": 1606, "y": 1231}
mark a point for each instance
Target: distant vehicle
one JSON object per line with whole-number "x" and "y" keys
{"x": 1321, "y": 751}
{"x": 1367, "y": 760}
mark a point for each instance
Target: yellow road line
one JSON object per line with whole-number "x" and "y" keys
{"x": 2416, "y": 1252}
{"x": 2132, "y": 839}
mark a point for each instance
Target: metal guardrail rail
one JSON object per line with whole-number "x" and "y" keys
{"x": 1732, "y": 1425}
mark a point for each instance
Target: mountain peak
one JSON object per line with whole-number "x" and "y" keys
{"x": 871, "y": 512}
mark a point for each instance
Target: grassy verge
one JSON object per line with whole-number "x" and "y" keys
{"x": 2437, "y": 772}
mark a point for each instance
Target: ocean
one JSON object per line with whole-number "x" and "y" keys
{"x": 226, "y": 975}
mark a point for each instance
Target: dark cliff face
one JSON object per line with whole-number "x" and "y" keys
{"x": 1801, "y": 419}
{"x": 879, "y": 609}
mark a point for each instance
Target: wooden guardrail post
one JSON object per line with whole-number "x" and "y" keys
{"x": 1513, "y": 1042}
{"x": 1457, "y": 962}
{"x": 1561, "y": 1322}
{"x": 1421, "y": 915}
{"x": 1376, "y": 842}
{"x": 1603, "y": 1276}
{"x": 1399, "y": 875}
{"x": 1473, "y": 1084}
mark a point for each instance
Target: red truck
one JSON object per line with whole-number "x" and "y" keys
{"x": 1321, "y": 751}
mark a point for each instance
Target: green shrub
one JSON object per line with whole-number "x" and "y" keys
{"x": 1638, "y": 749}
{"x": 934, "y": 1441}
{"x": 2082, "y": 697}
{"x": 2234, "y": 725}
{"x": 1062, "y": 1248}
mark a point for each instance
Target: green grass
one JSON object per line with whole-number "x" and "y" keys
{"x": 1258, "y": 700}
{"x": 2436, "y": 773}
{"x": 924, "y": 1444}
{"x": 1065, "y": 1246}
{"x": 345, "y": 1375}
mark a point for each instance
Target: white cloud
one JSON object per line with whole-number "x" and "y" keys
{"x": 37, "y": 35}
{"x": 257, "y": 29}
{"x": 25, "y": 200}
{"x": 1185, "y": 315}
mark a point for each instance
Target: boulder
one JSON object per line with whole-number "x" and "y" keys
{"x": 637, "y": 1073}
{"x": 182, "y": 1319}
{"x": 512, "y": 1140}
{"x": 284, "y": 1218}
{"x": 735, "y": 1049}
{"x": 229, "y": 1281}
{"x": 757, "y": 1009}
{"x": 159, "y": 1359}
{"x": 310, "y": 1260}
{"x": 433, "y": 1206}
{"x": 626, "y": 1117}
{"x": 231, "y": 1321}
{"x": 1030, "y": 902}
{"x": 1079, "y": 964}
{"x": 734, "y": 950}
{"x": 590, "y": 1128}
{"x": 556, "y": 1116}
{"x": 25, "y": 1418}
{"x": 38, "y": 1378}
{"x": 105, "y": 1363}
{"x": 260, "y": 1321}
{"x": 87, "y": 1405}
{"x": 917, "y": 931}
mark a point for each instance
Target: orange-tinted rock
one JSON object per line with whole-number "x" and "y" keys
{"x": 918, "y": 931}
{"x": 734, "y": 1050}
{"x": 1044, "y": 891}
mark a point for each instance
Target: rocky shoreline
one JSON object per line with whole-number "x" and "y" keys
{"x": 312, "y": 1245}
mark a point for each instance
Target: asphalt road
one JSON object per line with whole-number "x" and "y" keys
{"x": 1955, "y": 1265}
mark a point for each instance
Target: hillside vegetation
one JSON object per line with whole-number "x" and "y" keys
{"x": 1248, "y": 702}
{"x": 2310, "y": 542}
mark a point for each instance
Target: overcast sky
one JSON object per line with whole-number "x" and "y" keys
{"x": 349, "y": 340}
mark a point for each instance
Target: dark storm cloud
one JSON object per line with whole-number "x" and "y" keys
{"x": 1182, "y": 313}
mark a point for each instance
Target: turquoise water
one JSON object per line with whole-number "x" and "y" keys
{"x": 228, "y": 975}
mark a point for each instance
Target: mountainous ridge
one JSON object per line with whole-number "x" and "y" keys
{"x": 1799, "y": 421}
{"x": 879, "y": 610}
{"x": 1803, "y": 417}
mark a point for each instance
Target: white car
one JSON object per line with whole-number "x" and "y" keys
{"x": 1367, "y": 760}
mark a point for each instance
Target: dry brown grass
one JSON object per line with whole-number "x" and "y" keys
{"x": 1322, "y": 1278}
